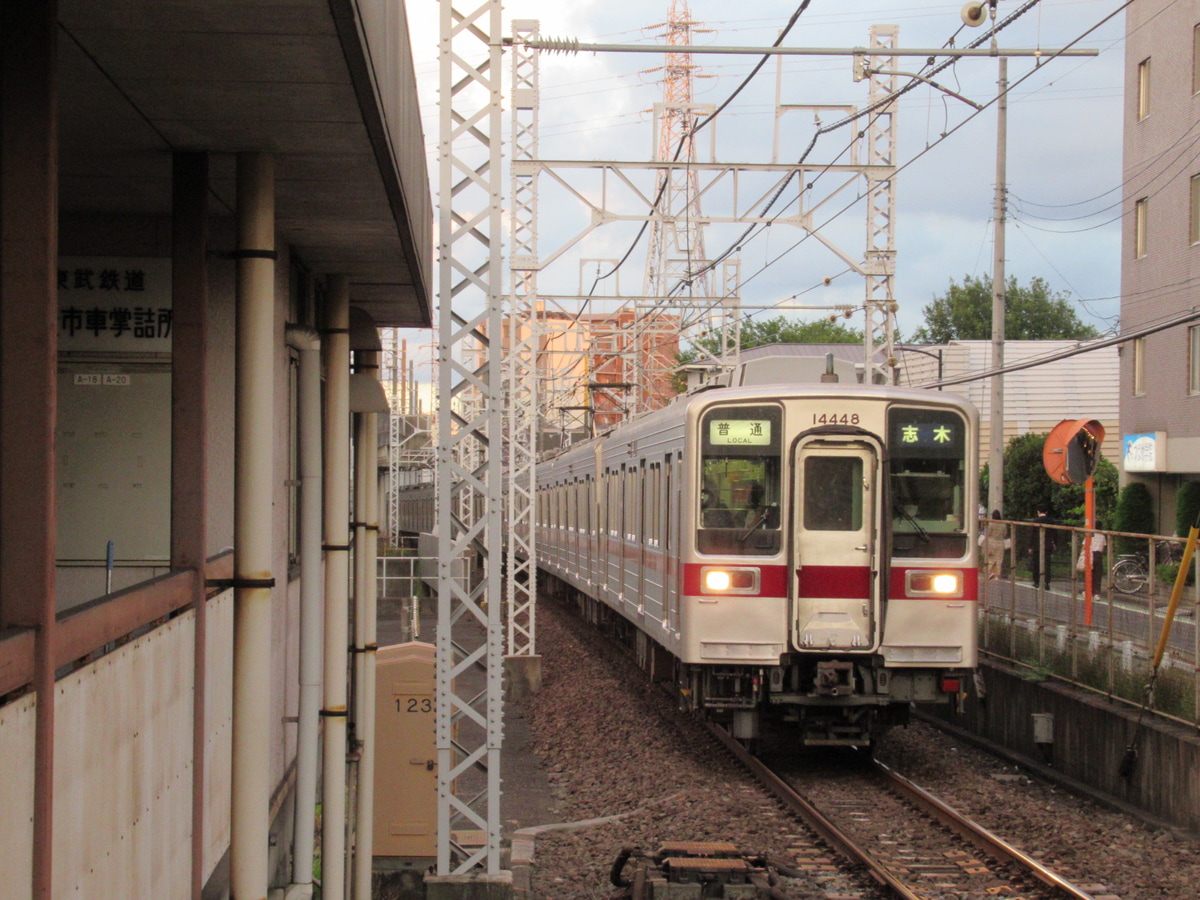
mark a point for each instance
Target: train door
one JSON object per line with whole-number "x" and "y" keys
{"x": 671, "y": 518}
{"x": 641, "y": 503}
{"x": 835, "y": 551}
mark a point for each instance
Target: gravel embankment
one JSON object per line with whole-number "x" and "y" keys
{"x": 613, "y": 745}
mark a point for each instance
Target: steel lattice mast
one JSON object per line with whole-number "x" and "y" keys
{"x": 392, "y": 378}
{"x": 469, "y": 457}
{"x": 676, "y": 260}
{"x": 879, "y": 264}
{"x": 523, "y": 343}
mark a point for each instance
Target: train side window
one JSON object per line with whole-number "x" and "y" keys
{"x": 669, "y": 510}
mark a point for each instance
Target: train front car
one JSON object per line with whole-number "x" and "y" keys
{"x": 830, "y": 579}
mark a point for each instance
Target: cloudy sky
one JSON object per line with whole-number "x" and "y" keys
{"x": 1064, "y": 150}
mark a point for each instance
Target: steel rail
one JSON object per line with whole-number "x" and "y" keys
{"x": 975, "y": 833}
{"x": 813, "y": 817}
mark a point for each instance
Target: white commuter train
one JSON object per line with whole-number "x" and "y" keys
{"x": 806, "y": 552}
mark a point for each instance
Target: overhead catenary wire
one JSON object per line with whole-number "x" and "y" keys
{"x": 754, "y": 230}
{"x": 750, "y": 233}
{"x": 685, "y": 137}
{"x": 970, "y": 117}
{"x": 1191, "y": 315}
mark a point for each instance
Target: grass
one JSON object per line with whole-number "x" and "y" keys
{"x": 1101, "y": 670}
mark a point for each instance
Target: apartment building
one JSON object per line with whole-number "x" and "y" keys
{"x": 1160, "y": 248}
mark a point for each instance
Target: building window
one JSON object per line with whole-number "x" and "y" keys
{"x": 1139, "y": 228}
{"x": 1194, "y": 359}
{"x": 1196, "y": 60}
{"x": 1139, "y": 366}
{"x": 1143, "y": 94}
{"x": 1194, "y": 211}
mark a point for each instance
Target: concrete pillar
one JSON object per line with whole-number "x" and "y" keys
{"x": 254, "y": 482}
{"x": 189, "y": 440}
{"x": 28, "y": 374}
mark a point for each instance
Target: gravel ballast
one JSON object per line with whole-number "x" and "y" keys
{"x": 614, "y": 745}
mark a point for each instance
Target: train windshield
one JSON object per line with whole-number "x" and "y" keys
{"x": 739, "y": 502}
{"x": 928, "y": 482}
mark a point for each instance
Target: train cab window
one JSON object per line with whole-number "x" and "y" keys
{"x": 927, "y": 475}
{"x": 739, "y": 486}
{"x": 839, "y": 505}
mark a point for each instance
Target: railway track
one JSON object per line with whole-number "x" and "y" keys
{"x": 911, "y": 843}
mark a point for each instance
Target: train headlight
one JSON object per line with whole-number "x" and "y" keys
{"x": 717, "y": 580}
{"x": 729, "y": 580}
{"x": 934, "y": 584}
{"x": 945, "y": 584}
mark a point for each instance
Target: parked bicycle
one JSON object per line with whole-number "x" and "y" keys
{"x": 1130, "y": 574}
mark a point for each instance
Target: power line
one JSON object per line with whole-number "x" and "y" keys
{"x": 1181, "y": 319}
{"x": 741, "y": 241}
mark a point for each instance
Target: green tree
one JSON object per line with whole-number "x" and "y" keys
{"x": 1032, "y": 312}
{"x": 779, "y": 330}
{"x": 1068, "y": 504}
{"x": 782, "y": 330}
{"x": 1027, "y": 486}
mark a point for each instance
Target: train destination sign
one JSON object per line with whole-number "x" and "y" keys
{"x": 739, "y": 432}
{"x": 932, "y": 433}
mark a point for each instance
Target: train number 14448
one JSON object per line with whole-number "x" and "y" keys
{"x": 835, "y": 418}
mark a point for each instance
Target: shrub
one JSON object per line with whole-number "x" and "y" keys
{"x": 1187, "y": 507}
{"x": 1135, "y": 514}
{"x": 1068, "y": 502}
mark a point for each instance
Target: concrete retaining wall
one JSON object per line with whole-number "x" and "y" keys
{"x": 1090, "y": 736}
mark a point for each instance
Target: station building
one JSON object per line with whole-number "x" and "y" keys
{"x": 203, "y": 206}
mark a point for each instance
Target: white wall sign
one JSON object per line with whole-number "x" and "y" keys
{"x": 103, "y": 379}
{"x": 1145, "y": 452}
{"x": 114, "y": 304}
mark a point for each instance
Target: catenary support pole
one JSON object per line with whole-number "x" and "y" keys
{"x": 996, "y": 412}
{"x": 254, "y": 479}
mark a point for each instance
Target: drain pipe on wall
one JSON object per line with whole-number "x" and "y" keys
{"x": 337, "y": 573}
{"x": 254, "y": 481}
{"x": 308, "y": 343}
{"x": 368, "y": 400}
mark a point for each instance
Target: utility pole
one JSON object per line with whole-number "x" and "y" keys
{"x": 996, "y": 430}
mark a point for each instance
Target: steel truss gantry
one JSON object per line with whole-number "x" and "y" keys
{"x": 410, "y": 455}
{"x": 470, "y": 429}
{"x": 879, "y": 266}
{"x": 522, "y": 346}
{"x": 678, "y": 270}
{"x": 473, "y": 387}
{"x": 749, "y": 193}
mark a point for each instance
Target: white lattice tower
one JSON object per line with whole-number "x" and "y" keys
{"x": 393, "y": 377}
{"x": 676, "y": 262}
{"x": 880, "y": 260}
{"x": 524, "y": 340}
{"x": 469, "y": 460}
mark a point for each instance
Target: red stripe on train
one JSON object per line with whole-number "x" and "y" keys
{"x": 970, "y": 577}
{"x": 835, "y": 582}
{"x": 772, "y": 580}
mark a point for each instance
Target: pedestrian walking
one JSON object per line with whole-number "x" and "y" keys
{"x": 1040, "y": 545}
{"x": 994, "y": 538}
